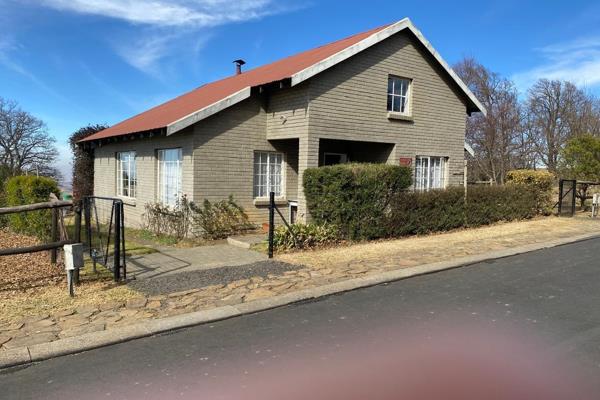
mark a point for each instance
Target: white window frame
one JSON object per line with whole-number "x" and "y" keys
{"x": 162, "y": 197}
{"x": 398, "y": 97}
{"x": 427, "y": 178}
{"x": 131, "y": 171}
{"x": 268, "y": 184}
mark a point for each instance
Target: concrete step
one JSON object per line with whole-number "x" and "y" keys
{"x": 245, "y": 241}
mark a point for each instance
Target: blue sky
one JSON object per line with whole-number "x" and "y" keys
{"x": 74, "y": 62}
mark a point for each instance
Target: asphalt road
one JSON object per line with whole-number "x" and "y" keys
{"x": 550, "y": 297}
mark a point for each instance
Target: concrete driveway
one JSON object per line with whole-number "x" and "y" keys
{"x": 173, "y": 261}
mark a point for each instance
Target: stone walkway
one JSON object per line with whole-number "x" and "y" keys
{"x": 267, "y": 278}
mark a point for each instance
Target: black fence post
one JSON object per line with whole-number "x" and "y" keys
{"x": 54, "y": 252}
{"x": 87, "y": 215}
{"x": 77, "y": 237}
{"x": 117, "y": 243}
{"x": 271, "y": 221}
{"x": 560, "y": 196}
{"x": 573, "y": 198}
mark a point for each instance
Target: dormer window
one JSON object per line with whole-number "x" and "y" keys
{"x": 398, "y": 95}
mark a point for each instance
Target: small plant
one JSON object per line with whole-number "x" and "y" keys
{"x": 220, "y": 219}
{"x": 165, "y": 220}
{"x": 303, "y": 236}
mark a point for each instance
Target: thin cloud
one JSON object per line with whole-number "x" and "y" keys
{"x": 577, "y": 61}
{"x": 165, "y": 27}
{"x": 197, "y": 13}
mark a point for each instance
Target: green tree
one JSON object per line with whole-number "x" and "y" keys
{"x": 83, "y": 162}
{"x": 580, "y": 159}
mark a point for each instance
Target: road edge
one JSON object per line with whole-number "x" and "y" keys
{"x": 27, "y": 355}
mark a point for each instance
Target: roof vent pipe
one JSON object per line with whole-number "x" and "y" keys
{"x": 238, "y": 66}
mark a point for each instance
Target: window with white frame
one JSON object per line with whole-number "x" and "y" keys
{"x": 398, "y": 95}
{"x": 268, "y": 174}
{"x": 430, "y": 173}
{"x": 126, "y": 174}
{"x": 170, "y": 176}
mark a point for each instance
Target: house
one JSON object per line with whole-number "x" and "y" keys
{"x": 384, "y": 95}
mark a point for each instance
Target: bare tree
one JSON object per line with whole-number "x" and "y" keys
{"x": 498, "y": 140}
{"x": 25, "y": 145}
{"x": 556, "y": 111}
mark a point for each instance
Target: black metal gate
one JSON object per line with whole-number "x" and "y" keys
{"x": 566, "y": 197}
{"x": 105, "y": 233}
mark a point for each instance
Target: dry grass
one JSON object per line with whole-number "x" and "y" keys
{"x": 95, "y": 288}
{"x": 31, "y": 285}
{"x": 436, "y": 247}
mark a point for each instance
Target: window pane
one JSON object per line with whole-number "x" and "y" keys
{"x": 398, "y": 83}
{"x": 268, "y": 174}
{"x": 390, "y": 101}
{"x": 126, "y": 174}
{"x": 390, "y": 85}
{"x": 396, "y": 105}
{"x": 405, "y": 83}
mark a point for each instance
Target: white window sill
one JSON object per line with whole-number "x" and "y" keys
{"x": 399, "y": 116}
{"x": 264, "y": 201}
{"x": 130, "y": 201}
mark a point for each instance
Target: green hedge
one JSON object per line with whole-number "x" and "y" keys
{"x": 541, "y": 182}
{"x": 354, "y": 197}
{"x": 22, "y": 190}
{"x": 442, "y": 210}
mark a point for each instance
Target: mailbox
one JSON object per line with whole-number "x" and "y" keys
{"x": 73, "y": 256}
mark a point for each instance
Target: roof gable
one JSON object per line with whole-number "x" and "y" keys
{"x": 214, "y": 97}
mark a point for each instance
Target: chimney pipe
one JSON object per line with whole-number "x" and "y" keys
{"x": 238, "y": 66}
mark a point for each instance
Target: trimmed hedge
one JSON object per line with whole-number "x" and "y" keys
{"x": 541, "y": 182}
{"x": 23, "y": 190}
{"x": 416, "y": 213}
{"x": 354, "y": 197}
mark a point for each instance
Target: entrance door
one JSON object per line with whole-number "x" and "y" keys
{"x": 334, "y": 158}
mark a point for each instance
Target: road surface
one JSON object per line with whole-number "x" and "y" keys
{"x": 552, "y": 295}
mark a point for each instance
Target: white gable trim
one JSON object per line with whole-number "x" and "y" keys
{"x": 206, "y": 112}
{"x": 375, "y": 38}
{"x": 469, "y": 149}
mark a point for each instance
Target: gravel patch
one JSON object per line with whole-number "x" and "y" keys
{"x": 198, "y": 279}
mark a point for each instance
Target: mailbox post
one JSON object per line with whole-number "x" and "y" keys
{"x": 73, "y": 262}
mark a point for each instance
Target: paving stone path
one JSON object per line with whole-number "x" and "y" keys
{"x": 78, "y": 321}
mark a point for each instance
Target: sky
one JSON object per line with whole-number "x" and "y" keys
{"x": 77, "y": 62}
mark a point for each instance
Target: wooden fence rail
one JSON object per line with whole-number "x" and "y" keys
{"x": 56, "y": 243}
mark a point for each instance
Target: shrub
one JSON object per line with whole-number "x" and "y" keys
{"x": 424, "y": 212}
{"x": 540, "y": 182}
{"x": 304, "y": 236}
{"x": 354, "y": 197}
{"x": 165, "y": 220}
{"x": 23, "y": 190}
{"x": 442, "y": 210}
{"x": 488, "y": 204}
{"x": 219, "y": 220}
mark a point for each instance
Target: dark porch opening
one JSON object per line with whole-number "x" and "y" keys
{"x": 341, "y": 151}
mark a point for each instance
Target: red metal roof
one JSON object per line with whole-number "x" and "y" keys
{"x": 186, "y": 104}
